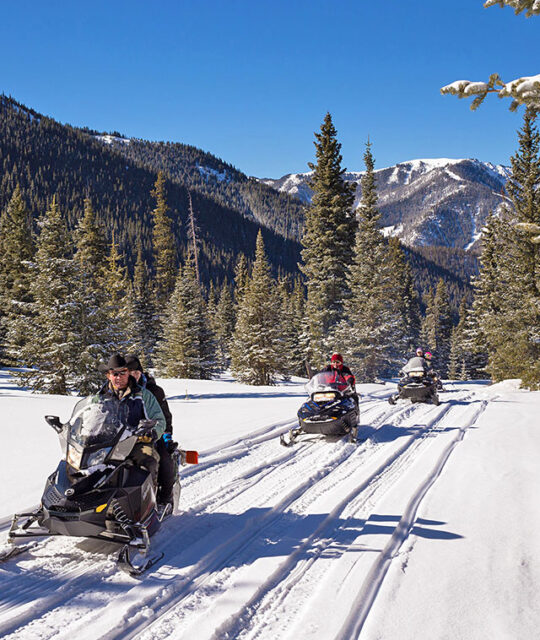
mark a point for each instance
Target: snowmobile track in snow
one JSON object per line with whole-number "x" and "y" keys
{"x": 263, "y": 493}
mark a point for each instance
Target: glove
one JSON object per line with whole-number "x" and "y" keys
{"x": 169, "y": 442}
{"x": 146, "y": 431}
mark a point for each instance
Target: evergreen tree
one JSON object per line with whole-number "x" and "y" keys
{"x": 187, "y": 349}
{"x": 256, "y": 344}
{"x": 143, "y": 328}
{"x": 16, "y": 252}
{"x": 52, "y": 347}
{"x": 328, "y": 240}
{"x": 90, "y": 297}
{"x": 458, "y": 357}
{"x": 163, "y": 243}
{"x": 224, "y": 326}
{"x": 241, "y": 279}
{"x": 438, "y": 327}
{"x": 406, "y": 300}
{"x": 372, "y": 336}
{"x": 507, "y": 292}
{"x": 119, "y": 302}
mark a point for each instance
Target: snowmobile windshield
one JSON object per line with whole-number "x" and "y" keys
{"x": 327, "y": 381}
{"x": 94, "y": 423}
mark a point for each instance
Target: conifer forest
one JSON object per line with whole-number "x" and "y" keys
{"x": 121, "y": 248}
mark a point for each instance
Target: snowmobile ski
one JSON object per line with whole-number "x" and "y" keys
{"x": 127, "y": 563}
{"x": 16, "y": 550}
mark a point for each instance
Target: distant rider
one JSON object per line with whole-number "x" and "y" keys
{"x": 336, "y": 364}
{"x": 416, "y": 362}
{"x": 431, "y": 371}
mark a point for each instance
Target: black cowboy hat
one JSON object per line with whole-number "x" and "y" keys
{"x": 116, "y": 361}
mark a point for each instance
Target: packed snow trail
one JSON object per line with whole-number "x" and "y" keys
{"x": 272, "y": 542}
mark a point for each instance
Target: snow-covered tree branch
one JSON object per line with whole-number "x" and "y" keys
{"x": 525, "y": 90}
{"x": 532, "y": 7}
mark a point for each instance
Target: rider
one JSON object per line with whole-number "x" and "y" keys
{"x": 431, "y": 371}
{"x": 165, "y": 445}
{"x": 336, "y": 364}
{"x": 416, "y": 362}
{"x": 135, "y": 404}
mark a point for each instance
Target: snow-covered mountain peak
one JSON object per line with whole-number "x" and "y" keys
{"x": 426, "y": 201}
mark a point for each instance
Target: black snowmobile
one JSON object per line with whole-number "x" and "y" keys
{"x": 331, "y": 410}
{"x": 416, "y": 386}
{"x": 97, "y": 491}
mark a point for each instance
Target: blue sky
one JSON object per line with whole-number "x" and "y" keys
{"x": 251, "y": 81}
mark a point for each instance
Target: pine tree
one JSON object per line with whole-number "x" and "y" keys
{"x": 507, "y": 292}
{"x": 90, "y": 297}
{"x": 458, "y": 357}
{"x": 224, "y": 326}
{"x": 16, "y": 252}
{"x": 143, "y": 331}
{"x": 119, "y": 301}
{"x": 256, "y": 343}
{"x": 328, "y": 240}
{"x": 440, "y": 328}
{"x": 163, "y": 243}
{"x": 372, "y": 336}
{"x": 187, "y": 349}
{"x": 241, "y": 279}
{"x": 52, "y": 348}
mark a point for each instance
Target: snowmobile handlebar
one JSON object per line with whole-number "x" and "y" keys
{"x": 54, "y": 422}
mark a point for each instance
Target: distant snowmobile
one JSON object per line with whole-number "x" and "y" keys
{"x": 97, "y": 491}
{"x": 331, "y": 409}
{"x": 416, "y": 386}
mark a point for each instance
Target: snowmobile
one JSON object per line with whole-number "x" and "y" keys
{"x": 97, "y": 491}
{"x": 416, "y": 386}
{"x": 331, "y": 410}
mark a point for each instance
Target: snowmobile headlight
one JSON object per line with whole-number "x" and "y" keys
{"x": 324, "y": 397}
{"x": 416, "y": 374}
{"x": 96, "y": 458}
{"x": 74, "y": 457}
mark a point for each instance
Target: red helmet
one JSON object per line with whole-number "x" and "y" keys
{"x": 428, "y": 355}
{"x": 336, "y": 360}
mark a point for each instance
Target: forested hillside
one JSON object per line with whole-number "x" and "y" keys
{"x": 47, "y": 159}
{"x": 202, "y": 172}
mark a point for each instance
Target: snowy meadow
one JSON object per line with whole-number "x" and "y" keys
{"x": 425, "y": 529}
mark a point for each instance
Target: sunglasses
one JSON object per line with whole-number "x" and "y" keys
{"x": 122, "y": 372}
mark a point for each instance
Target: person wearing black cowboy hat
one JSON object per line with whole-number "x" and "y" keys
{"x": 165, "y": 445}
{"x": 135, "y": 404}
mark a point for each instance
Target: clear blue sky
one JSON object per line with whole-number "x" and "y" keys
{"x": 251, "y": 81}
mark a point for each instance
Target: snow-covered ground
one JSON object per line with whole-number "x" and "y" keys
{"x": 427, "y": 529}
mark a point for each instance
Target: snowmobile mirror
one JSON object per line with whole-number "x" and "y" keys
{"x": 55, "y": 423}
{"x": 192, "y": 457}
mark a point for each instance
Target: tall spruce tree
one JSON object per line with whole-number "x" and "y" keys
{"x": 256, "y": 344}
{"x": 522, "y": 313}
{"x": 224, "y": 321}
{"x": 507, "y": 291}
{"x": 90, "y": 296}
{"x": 187, "y": 349}
{"x": 328, "y": 240}
{"x": 163, "y": 244}
{"x": 119, "y": 302}
{"x": 143, "y": 333}
{"x": 437, "y": 327}
{"x": 372, "y": 336}
{"x": 16, "y": 252}
{"x": 52, "y": 348}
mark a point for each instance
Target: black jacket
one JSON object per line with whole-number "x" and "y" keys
{"x": 159, "y": 394}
